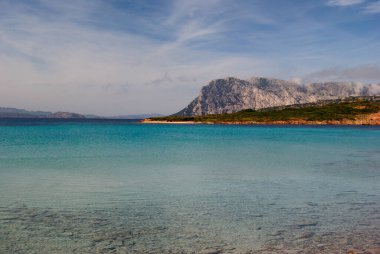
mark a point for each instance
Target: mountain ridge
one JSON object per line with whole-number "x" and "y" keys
{"x": 8, "y": 112}
{"x": 230, "y": 95}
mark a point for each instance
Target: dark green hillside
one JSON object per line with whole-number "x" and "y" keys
{"x": 336, "y": 110}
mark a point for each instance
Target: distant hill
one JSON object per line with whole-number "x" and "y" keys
{"x": 22, "y": 113}
{"x": 65, "y": 115}
{"x": 231, "y": 95}
{"x": 14, "y": 112}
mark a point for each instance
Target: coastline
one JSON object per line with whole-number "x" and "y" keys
{"x": 150, "y": 121}
{"x": 370, "y": 120}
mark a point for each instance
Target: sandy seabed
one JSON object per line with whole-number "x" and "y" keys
{"x": 37, "y": 230}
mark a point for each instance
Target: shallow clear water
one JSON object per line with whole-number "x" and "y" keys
{"x": 120, "y": 186}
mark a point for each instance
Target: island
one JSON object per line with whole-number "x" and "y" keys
{"x": 361, "y": 110}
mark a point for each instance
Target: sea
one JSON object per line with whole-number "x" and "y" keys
{"x": 120, "y": 186}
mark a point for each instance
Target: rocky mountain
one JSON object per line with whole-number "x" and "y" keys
{"x": 231, "y": 95}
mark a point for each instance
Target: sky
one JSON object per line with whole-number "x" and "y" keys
{"x": 117, "y": 57}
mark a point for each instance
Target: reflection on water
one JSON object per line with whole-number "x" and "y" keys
{"x": 122, "y": 187}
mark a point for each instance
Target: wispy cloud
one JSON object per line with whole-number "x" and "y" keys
{"x": 63, "y": 59}
{"x": 118, "y": 57}
{"x": 344, "y": 2}
{"x": 367, "y": 72}
{"x": 183, "y": 11}
{"x": 372, "y": 7}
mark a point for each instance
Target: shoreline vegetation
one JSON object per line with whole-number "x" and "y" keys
{"x": 349, "y": 111}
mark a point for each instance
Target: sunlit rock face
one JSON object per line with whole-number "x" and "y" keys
{"x": 232, "y": 95}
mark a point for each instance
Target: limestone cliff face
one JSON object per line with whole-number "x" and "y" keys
{"x": 232, "y": 95}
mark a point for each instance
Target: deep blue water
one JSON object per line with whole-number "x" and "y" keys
{"x": 70, "y": 186}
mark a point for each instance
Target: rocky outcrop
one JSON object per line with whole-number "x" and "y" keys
{"x": 232, "y": 95}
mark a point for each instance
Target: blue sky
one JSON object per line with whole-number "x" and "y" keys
{"x": 122, "y": 57}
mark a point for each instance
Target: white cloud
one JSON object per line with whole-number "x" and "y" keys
{"x": 344, "y": 2}
{"x": 372, "y": 7}
{"x": 53, "y": 63}
{"x": 183, "y": 10}
{"x": 91, "y": 57}
{"x": 366, "y": 72}
{"x": 297, "y": 80}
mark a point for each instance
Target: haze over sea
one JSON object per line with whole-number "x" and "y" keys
{"x": 117, "y": 186}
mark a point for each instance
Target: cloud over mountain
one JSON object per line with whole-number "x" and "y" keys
{"x": 111, "y": 57}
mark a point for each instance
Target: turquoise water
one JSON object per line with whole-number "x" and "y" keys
{"x": 123, "y": 187}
